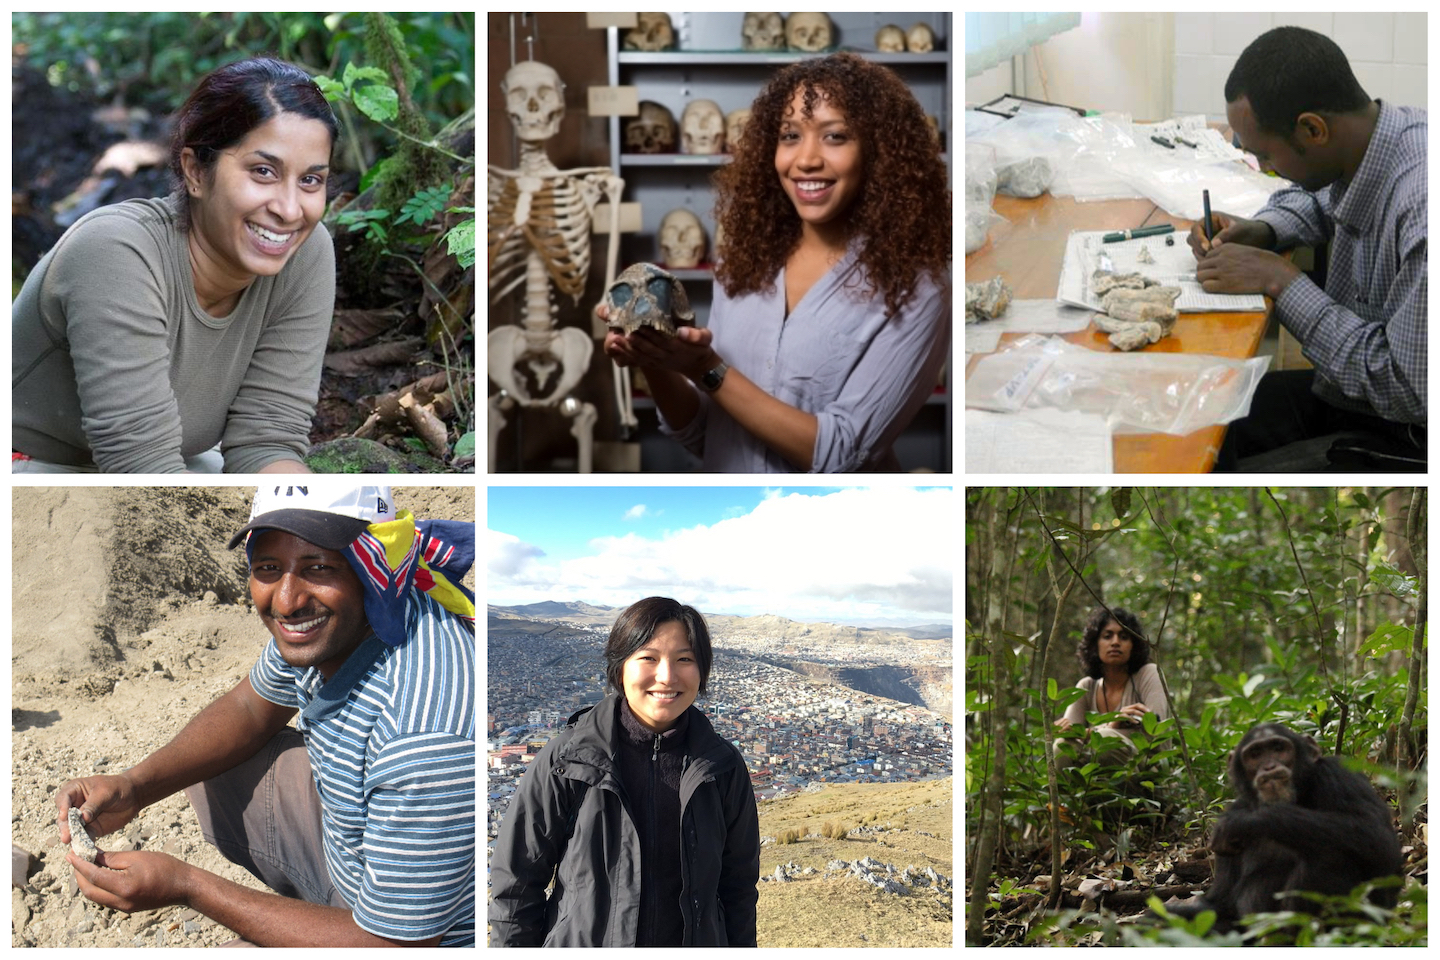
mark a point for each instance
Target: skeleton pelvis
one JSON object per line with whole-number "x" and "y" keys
{"x": 538, "y": 370}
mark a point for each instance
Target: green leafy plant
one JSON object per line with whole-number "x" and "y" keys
{"x": 424, "y": 206}
{"x": 461, "y": 238}
{"x": 370, "y": 223}
{"x": 377, "y": 99}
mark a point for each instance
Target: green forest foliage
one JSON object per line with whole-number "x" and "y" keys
{"x": 1297, "y": 606}
{"x": 154, "y": 59}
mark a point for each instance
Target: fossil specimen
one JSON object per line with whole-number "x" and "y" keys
{"x": 1136, "y": 317}
{"x": 986, "y": 301}
{"x": 646, "y": 296}
{"x": 80, "y": 840}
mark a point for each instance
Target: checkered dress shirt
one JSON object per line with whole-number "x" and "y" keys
{"x": 1365, "y": 332}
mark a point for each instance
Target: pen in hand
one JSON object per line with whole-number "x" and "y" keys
{"x": 1209, "y": 228}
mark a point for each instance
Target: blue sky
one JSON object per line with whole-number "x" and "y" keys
{"x": 842, "y": 554}
{"x": 564, "y": 520}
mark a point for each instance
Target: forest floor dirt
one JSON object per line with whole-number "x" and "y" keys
{"x": 128, "y": 617}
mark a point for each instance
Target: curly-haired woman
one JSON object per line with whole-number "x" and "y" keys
{"x": 1119, "y": 677}
{"x": 831, "y": 318}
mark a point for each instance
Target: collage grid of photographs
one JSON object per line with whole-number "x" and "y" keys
{"x": 718, "y": 708}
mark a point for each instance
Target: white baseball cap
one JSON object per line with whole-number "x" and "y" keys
{"x": 325, "y": 514}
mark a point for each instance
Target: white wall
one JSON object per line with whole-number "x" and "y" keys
{"x": 1386, "y": 52}
{"x": 1112, "y": 62}
{"x": 1156, "y": 65}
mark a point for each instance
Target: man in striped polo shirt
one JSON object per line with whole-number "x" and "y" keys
{"x": 362, "y": 818}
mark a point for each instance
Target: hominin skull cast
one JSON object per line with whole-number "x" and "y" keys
{"x": 702, "y": 128}
{"x": 890, "y": 39}
{"x": 652, "y": 31}
{"x": 810, "y": 32}
{"x": 651, "y": 131}
{"x": 763, "y": 31}
{"x": 682, "y": 239}
{"x": 735, "y": 122}
{"x": 646, "y": 296}
{"x": 920, "y": 38}
{"x": 535, "y": 100}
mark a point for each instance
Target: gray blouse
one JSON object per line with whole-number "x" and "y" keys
{"x": 836, "y": 356}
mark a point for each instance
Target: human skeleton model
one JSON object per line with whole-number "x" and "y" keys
{"x": 538, "y": 225}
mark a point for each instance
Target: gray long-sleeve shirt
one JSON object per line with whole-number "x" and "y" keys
{"x": 836, "y": 356}
{"x": 115, "y": 363}
{"x": 1366, "y": 331}
{"x": 1144, "y": 687}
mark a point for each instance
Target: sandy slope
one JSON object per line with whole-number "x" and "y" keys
{"x": 129, "y": 616}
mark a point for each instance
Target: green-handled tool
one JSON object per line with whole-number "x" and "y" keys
{"x": 1136, "y": 234}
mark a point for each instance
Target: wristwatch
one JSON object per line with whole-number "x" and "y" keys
{"x": 710, "y": 380}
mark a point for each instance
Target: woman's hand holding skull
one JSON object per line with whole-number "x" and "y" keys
{"x": 687, "y": 353}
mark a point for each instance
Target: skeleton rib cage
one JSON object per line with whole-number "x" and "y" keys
{"x": 547, "y": 215}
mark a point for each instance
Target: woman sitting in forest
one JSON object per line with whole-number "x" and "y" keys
{"x": 1119, "y": 678}
{"x": 186, "y": 333}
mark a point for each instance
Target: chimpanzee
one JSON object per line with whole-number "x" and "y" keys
{"x": 1300, "y": 821}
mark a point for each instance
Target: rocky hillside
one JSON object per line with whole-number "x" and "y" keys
{"x": 887, "y": 883}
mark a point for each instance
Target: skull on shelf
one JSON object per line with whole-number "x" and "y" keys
{"x": 763, "y": 31}
{"x": 702, "y": 128}
{"x": 735, "y": 122}
{"x": 652, "y": 31}
{"x": 535, "y": 100}
{"x": 810, "y": 32}
{"x": 650, "y": 131}
{"x": 646, "y": 296}
{"x": 682, "y": 239}
{"x": 920, "y": 39}
{"x": 890, "y": 39}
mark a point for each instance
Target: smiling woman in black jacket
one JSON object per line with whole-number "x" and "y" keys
{"x": 641, "y": 814}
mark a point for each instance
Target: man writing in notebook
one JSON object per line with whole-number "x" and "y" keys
{"x": 1359, "y": 171}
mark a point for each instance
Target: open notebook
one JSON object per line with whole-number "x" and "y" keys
{"x": 1173, "y": 266}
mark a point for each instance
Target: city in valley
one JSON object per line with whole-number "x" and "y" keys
{"x": 806, "y": 703}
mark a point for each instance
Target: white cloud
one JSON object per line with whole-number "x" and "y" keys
{"x": 509, "y": 557}
{"x": 635, "y": 512}
{"x": 850, "y": 554}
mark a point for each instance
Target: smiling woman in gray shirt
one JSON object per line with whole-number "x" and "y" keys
{"x": 832, "y": 312}
{"x": 156, "y": 330}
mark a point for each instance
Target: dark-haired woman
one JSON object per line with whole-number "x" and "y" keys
{"x": 1119, "y": 678}
{"x": 831, "y": 319}
{"x": 639, "y": 812}
{"x": 186, "y": 333}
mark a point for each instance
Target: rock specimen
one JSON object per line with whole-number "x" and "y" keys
{"x": 986, "y": 301}
{"x": 1138, "y": 311}
{"x": 80, "y": 840}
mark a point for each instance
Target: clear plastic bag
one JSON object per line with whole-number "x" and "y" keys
{"x": 1172, "y": 393}
{"x": 980, "y": 184}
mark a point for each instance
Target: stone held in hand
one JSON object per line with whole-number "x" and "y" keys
{"x": 80, "y": 840}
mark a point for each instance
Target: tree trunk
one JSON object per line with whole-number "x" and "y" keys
{"x": 1416, "y": 531}
{"x": 1047, "y": 717}
{"x": 992, "y": 800}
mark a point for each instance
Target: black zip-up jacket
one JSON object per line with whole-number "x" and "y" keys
{"x": 572, "y": 789}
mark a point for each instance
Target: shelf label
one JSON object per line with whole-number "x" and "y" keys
{"x": 614, "y": 101}
{"x": 598, "y": 21}
{"x": 629, "y": 218}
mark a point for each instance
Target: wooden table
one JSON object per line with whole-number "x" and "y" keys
{"x": 1028, "y": 251}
